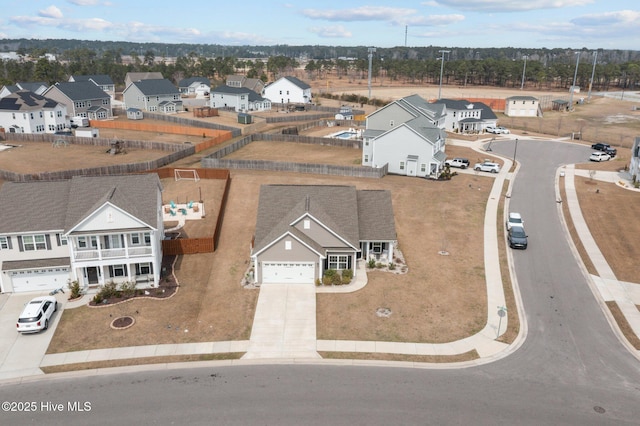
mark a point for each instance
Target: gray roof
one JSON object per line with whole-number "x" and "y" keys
{"x": 486, "y": 113}
{"x": 10, "y": 265}
{"x": 23, "y": 100}
{"x": 81, "y": 90}
{"x": 61, "y": 205}
{"x": 99, "y": 79}
{"x": 31, "y": 85}
{"x": 156, "y": 87}
{"x": 426, "y": 129}
{"x": 522, "y": 98}
{"x": 137, "y": 76}
{"x": 301, "y": 84}
{"x": 337, "y": 207}
{"x": 253, "y": 96}
{"x": 430, "y": 110}
{"x": 186, "y": 82}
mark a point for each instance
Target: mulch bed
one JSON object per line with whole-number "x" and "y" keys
{"x": 167, "y": 287}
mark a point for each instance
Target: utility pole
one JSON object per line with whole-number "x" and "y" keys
{"x": 593, "y": 73}
{"x": 371, "y": 51}
{"x": 523, "y": 70}
{"x": 441, "y": 71}
{"x": 573, "y": 86}
{"x": 406, "y": 28}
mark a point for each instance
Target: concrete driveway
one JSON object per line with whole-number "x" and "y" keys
{"x": 21, "y": 354}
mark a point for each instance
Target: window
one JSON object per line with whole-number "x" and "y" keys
{"x": 402, "y": 165}
{"x": 135, "y": 239}
{"x": 287, "y": 245}
{"x": 34, "y": 242}
{"x": 366, "y": 158}
{"x": 143, "y": 269}
{"x": 147, "y": 238}
{"x": 307, "y": 224}
{"x": 366, "y": 143}
{"x": 338, "y": 262}
{"x": 423, "y": 167}
{"x": 117, "y": 270}
{"x": 391, "y": 123}
{"x": 377, "y": 247}
{"x": 105, "y": 102}
{"x": 4, "y": 243}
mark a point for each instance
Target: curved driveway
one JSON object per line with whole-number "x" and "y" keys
{"x": 571, "y": 369}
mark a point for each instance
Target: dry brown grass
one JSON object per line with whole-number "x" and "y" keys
{"x": 622, "y": 322}
{"x": 435, "y": 359}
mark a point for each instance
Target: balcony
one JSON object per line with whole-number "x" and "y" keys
{"x": 115, "y": 253}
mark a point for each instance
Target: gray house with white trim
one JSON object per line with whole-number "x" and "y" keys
{"x": 153, "y": 95}
{"x": 83, "y": 99}
{"x": 304, "y": 230}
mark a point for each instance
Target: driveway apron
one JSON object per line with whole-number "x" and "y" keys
{"x": 284, "y": 325}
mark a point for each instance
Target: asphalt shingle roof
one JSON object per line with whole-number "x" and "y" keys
{"x": 156, "y": 87}
{"x": 100, "y": 79}
{"x": 82, "y": 90}
{"x": 301, "y": 84}
{"x": 23, "y": 100}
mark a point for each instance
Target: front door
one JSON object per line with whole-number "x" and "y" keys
{"x": 412, "y": 167}
{"x": 92, "y": 275}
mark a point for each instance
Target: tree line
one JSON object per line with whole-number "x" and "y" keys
{"x": 490, "y": 67}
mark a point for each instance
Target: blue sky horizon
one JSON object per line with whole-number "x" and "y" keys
{"x": 577, "y": 24}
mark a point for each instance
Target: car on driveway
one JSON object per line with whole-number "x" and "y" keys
{"x": 491, "y": 129}
{"x": 514, "y": 219}
{"x": 487, "y": 166}
{"x": 502, "y": 130}
{"x": 599, "y": 156}
{"x": 37, "y": 314}
{"x": 517, "y": 237}
{"x": 461, "y": 163}
{"x": 605, "y": 147}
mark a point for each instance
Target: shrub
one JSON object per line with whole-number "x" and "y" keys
{"x": 318, "y": 282}
{"x": 336, "y": 279}
{"x": 128, "y": 288}
{"x": 74, "y": 287}
{"x": 97, "y": 299}
{"x": 347, "y": 276}
{"x": 372, "y": 263}
{"x": 108, "y": 290}
{"x": 379, "y": 265}
{"x": 392, "y": 266}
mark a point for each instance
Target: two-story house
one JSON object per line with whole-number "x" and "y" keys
{"x": 130, "y": 77}
{"x": 522, "y": 106}
{"x": 467, "y": 117}
{"x": 288, "y": 90}
{"x": 408, "y": 136}
{"x": 239, "y": 98}
{"x": 153, "y": 96}
{"x": 254, "y": 84}
{"x": 27, "y": 112}
{"x": 82, "y": 99}
{"x": 103, "y": 81}
{"x": 91, "y": 229}
{"x": 37, "y": 87}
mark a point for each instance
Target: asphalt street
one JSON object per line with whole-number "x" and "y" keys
{"x": 571, "y": 370}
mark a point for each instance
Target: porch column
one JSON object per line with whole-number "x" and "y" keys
{"x": 391, "y": 251}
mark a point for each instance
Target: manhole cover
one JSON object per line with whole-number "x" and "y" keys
{"x": 383, "y": 312}
{"x": 599, "y": 409}
{"x": 122, "y": 323}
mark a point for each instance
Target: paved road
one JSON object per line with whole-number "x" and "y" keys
{"x": 571, "y": 370}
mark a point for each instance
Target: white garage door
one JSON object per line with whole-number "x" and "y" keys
{"x": 283, "y": 272}
{"x": 38, "y": 280}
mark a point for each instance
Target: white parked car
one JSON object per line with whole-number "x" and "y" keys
{"x": 37, "y": 314}
{"x": 461, "y": 163}
{"x": 600, "y": 156}
{"x": 487, "y": 166}
{"x": 502, "y": 130}
{"x": 514, "y": 219}
{"x": 491, "y": 129}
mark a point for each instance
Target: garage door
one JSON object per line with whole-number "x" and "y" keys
{"x": 38, "y": 280}
{"x": 288, "y": 272}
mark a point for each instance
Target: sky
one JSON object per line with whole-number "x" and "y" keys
{"x": 591, "y": 24}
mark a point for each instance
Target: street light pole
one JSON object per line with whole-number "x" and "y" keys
{"x": 441, "y": 71}
{"x": 573, "y": 86}
{"x": 593, "y": 73}
{"x": 523, "y": 70}
{"x": 515, "y": 150}
{"x": 371, "y": 51}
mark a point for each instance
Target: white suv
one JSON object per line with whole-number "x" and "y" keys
{"x": 36, "y": 314}
{"x": 487, "y": 166}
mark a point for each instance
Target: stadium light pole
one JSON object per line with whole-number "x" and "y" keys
{"x": 593, "y": 74}
{"x": 371, "y": 51}
{"x": 441, "y": 71}
{"x": 523, "y": 70}
{"x": 573, "y": 85}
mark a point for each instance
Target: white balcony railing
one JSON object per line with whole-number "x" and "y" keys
{"x": 112, "y": 253}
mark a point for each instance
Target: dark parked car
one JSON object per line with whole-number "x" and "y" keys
{"x": 517, "y": 237}
{"x": 605, "y": 147}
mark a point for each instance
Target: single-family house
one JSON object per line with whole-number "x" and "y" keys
{"x": 467, "y": 117}
{"x": 130, "y": 77}
{"x": 91, "y": 229}
{"x": 408, "y": 136}
{"x": 522, "y": 106}
{"x": 634, "y": 166}
{"x": 27, "y": 112}
{"x": 37, "y": 87}
{"x": 198, "y": 86}
{"x": 254, "y": 84}
{"x": 239, "y": 98}
{"x": 83, "y": 99}
{"x": 304, "y": 230}
{"x": 288, "y": 90}
{"x": 153, "y": 95}
{"x": 103, "y": 81}
{"x": 345, "y": 113}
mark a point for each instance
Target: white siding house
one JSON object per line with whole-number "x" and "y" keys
{"x": 288, "y": 90}
{"x": 27, "y": 112}
{"x": 521, "y": 106}
{"x": 239, "y": 98}
{"x": 91, "y": 229}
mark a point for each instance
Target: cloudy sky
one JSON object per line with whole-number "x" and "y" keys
{"x": 608, "y": 24}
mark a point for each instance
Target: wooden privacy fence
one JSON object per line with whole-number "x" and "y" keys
{"x": 183, "y": 246}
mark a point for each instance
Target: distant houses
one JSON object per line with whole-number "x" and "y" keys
{"x": 288, "y": 90}
{"x": 155, "y": 95}
{"x": 522, "y": 106}
{"x": 83, "y": 99}
{"x": 28, "y": 112}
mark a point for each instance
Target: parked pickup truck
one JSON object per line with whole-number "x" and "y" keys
{"x": 605, "y": 147}
{"x": 461, "y": 163}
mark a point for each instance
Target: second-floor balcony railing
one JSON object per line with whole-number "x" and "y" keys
{"x": 113, "y": 253}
